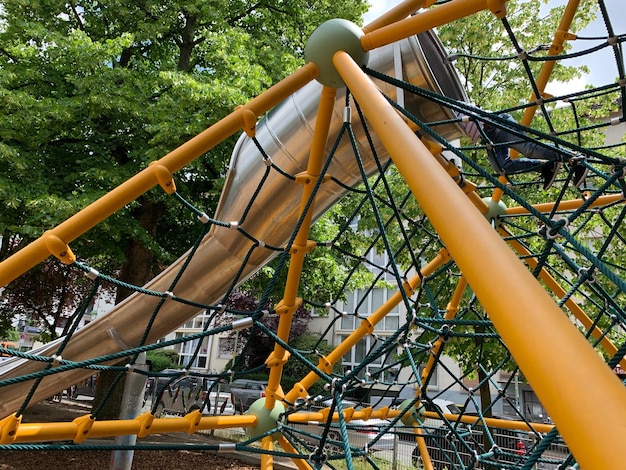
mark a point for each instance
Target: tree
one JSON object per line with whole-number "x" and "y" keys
{"x": 253, "y": 346}
{"x": 54, "y": 310}
{"x": 162, "y": 359}
{"x": 94, "y": 91}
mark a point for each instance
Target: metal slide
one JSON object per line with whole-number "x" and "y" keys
{"x": 285, "y": 134}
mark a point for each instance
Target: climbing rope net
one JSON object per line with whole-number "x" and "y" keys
{"x": 429, "y": 305}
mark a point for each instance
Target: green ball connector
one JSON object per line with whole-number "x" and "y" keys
{"x": 415, "y": 413}
{"x": 266, "y": 419}
{"x": 330, "y": 37}
{"x": 494, "y": 210}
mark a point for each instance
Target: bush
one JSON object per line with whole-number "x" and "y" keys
{"x": 162, "y": 359}
{"x": 295, "y": 370}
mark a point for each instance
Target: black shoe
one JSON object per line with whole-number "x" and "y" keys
{"x": 580, "y": 173}
{"x": 548, "y": 172}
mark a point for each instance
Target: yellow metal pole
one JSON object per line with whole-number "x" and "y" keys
{"x": 367, "y": 325}
{"x": 267, "y": 460}
{"x": 397, "y": 13}
{"x": 427, "y": 20}
{"x": 562, "y": 34}
{"x": 89, "y": 217}
{"x": 570, "y": 303}
{"x": 569, "y": 205}
{"x": 544, "y": 76}
{"x": 586, "y": 401}
{"x": 286, "y": 445}
{"x": 143, "y": 425}
{"x": 301, "y": 245}
{"x": 451, "y": 310}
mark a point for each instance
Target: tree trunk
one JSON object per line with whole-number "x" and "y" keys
{"x": 485, "y": 392}
{"x": 137, "y": 270}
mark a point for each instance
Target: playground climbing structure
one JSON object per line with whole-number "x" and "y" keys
{"x": 531, "y": 285}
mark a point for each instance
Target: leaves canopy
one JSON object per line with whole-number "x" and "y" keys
{"x": 91, "y": 92}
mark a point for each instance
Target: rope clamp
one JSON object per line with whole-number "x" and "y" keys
{"x": 587, "y": 275}
{"x": 92, "y": 274}
{"x": 619, "y": 167}
{"x": 347, "y": 115}
{"x": 318, "y": 457}
{"x": 557, "y": 224}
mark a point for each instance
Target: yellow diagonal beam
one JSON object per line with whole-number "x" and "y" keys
{"x": 562, "y": 34}
{"x": 397, "y": 13}
{"x": 556, "y": 48}
{"x": 587, "y": 401}
{"x": 89, "y": 217}
{"x": 286, "y": 445}
{"x": 570, "y": 303}
{"x": 429, "y": 19}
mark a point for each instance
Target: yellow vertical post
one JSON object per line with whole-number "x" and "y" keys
{"x": 267, "y": 459}
{"x": 300, "y": 246}
{"x": 586, "y": 401}
{"x": 451, "y": 309}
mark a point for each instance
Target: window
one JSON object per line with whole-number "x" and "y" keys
{"x": 187, "y": 350}
{"x": 358, "y": 353}
{"x": 368, "y": 302}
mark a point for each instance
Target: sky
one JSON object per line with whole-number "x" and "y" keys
{"x": 602, "y": 64}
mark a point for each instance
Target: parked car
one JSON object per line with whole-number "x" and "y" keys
{"x": 244, "y": 392}
{"x": 361, "y": 433}
{"x": 155, "y": 385}
{"x": 189, "y": 393}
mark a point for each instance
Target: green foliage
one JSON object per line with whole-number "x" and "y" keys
{"x": 163, "y": 359}
{"x": 311, "y": 346}
{"x": 498, "y": 84}
{"x": 9, "y": 333}
{"x": 92, "y": 92}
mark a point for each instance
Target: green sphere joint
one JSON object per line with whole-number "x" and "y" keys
{"x": 414, "y": 414}
{"x": 330, "y": 37}
{"x": 266, "y": 419}
{"x": 495, "y": 209}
